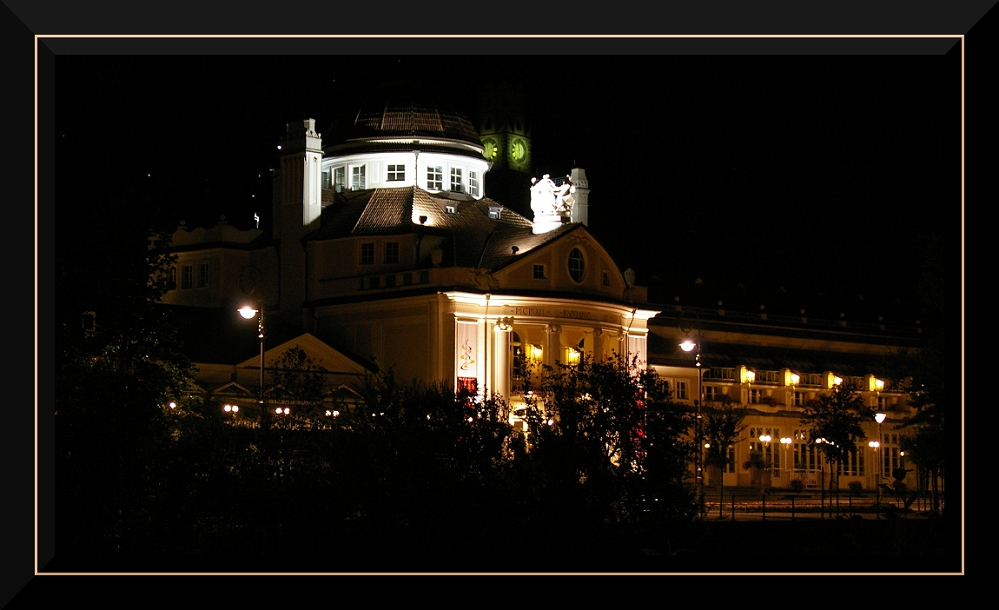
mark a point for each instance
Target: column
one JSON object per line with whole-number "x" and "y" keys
{"x": 553, "y": 351}
{"x": 594, "y": 344}
{"x": 501, "y": 369}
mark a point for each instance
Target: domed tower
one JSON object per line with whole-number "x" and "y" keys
{"x": 407, "y": 144}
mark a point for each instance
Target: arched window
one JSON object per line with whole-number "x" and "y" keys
{"x": 576, "y": 265}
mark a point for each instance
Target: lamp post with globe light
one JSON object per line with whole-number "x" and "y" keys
{"x": 688, "y": 345}
{"x": 879, "y": 417}
{"x": 765, "y": 439}
{"x": 785, "y": 442}
{"x": 248, "y": 313}
{"x": 822, "y": 476}
{"x": 874, "y": 445}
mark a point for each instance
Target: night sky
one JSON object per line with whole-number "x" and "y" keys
{"x": 819, "y": 181}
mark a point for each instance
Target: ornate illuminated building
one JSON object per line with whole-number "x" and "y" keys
{"x": 386, "y": 248}
{"x": 386, "y": 253}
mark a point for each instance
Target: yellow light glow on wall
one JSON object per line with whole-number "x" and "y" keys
{"x": 834, "y": 380}
{"x": 877, "y": 385}
{"x": 748, "y": 376}
{"x": 571, "y": 356}
{"x": 534, "y": 352}
{"x": 791, "y": 378}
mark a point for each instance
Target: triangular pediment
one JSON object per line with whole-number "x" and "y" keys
{"x": 570, "y": 260}
{"x": 320, "y": 352}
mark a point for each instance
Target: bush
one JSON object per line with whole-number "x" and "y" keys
{"x": 797, "y": 485}
{"x": 755, "y": 460}
{"x": 856, "y": 487}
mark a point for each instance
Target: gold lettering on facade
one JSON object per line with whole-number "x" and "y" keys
{"x": 568, "y": 314}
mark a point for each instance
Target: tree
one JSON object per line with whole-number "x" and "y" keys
{"x": 836, "y": 418}
{"x": 606, "y": 435}
{"x": 113, "y": 384}
{"x": 926, "y": 447}
{"x": 301, "y": 381}
{"x": 722, "y": 426}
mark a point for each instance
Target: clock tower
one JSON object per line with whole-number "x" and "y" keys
{"x": 506, "y": 142}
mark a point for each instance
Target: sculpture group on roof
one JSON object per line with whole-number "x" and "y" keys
{"x": 550, "y": 198}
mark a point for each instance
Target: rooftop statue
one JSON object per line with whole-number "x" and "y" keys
{"x": 549, "y": 198}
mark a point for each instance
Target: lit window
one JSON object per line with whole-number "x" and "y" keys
{"x": 456, "y": 184}
{"x": 576, "y": 265}
{"x": 187, "y": 277}
{"x": 435, "y": 178}
{"x": 756, "y": 396}
{"x": 473, "y": 183}
{"x": 681, "y": 390}
{"x": 338, "y": 179}
{"x": 539, "y": 272}
{"x": 396, "y": 173}
{"x": 357, "y": 182}
{"x": 450, "y": 209}
{"x": 726, "y": 374}
{"x": 203, "y": 275}
{"x": 367, "y": 254}
{"x": 392, "y": 253}
{"x": 710, "y": 392}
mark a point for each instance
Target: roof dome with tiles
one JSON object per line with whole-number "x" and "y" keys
{"x": 420, "y": 119}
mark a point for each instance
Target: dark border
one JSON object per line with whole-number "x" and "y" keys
{"x": 19, "y": 39}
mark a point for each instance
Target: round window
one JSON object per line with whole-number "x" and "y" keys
{"x": 576, "y": 265}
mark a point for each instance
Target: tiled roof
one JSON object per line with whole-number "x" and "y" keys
{"x": 499, "y": 248}
{"x": 412, "y": 119}
{"x": 472, "y": 237}
{"x": 388, "y": 210}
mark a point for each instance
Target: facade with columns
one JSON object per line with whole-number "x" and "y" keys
{"x": 771, "y": 366}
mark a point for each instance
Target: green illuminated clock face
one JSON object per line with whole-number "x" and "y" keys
{"x": 518, "y": 149}
{"x": 490, "y": 148}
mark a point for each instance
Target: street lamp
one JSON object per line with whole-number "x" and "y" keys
{"x": 879, "y": 417}
{"x": 688, "y": 345}
{"x": 765, "y": 439}
{"x": 822, "y": 476}
{"x": 248, "y": 313}
{"x": 785, "y": 442}
{"x": 874, "y": 446}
